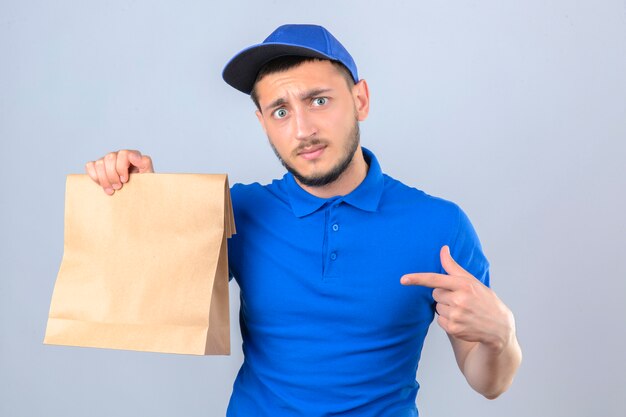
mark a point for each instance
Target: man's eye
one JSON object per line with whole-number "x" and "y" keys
{"x": 320, "y": 101}
{"x": 280, "y": 113}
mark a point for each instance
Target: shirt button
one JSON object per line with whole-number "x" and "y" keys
{"x": 333, "y": 256}
{"x": 335, "y": 227}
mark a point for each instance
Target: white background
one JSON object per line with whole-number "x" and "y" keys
{"x": 514, "y": 110}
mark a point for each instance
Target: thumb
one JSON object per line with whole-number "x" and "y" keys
{"x": 449, "y": 264}
{"x": 143, "y": 163}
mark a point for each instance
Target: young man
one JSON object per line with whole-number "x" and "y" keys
{"x": 341, "y": 267}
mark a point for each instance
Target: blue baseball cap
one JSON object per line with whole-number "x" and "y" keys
{"x": 288, "y": 40}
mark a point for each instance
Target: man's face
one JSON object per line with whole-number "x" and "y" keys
{"x": 311, "y": 116}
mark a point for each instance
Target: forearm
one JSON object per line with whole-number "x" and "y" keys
{"x": 490, "y": 369}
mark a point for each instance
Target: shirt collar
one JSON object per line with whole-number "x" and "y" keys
{"x": 365, "y": 196}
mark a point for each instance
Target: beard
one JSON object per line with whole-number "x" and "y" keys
{"x": 322, "y": 179}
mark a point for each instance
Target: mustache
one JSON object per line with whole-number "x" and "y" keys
{"x": 309, "y": 143}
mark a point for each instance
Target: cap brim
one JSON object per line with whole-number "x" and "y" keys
{"x": 241, "y": 71}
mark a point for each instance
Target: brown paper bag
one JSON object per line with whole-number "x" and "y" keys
{"x": 145, "y": 269}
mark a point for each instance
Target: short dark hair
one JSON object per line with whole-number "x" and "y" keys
{"x": 285, "y": 63}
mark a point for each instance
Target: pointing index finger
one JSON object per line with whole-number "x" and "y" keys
{"x": 430, "y": 280}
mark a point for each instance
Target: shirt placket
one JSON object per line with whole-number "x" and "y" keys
{"x": 332, "y": 241}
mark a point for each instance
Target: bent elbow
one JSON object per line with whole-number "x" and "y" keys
{"x": 492, "y": 395}
{"x": 494, "y": 392}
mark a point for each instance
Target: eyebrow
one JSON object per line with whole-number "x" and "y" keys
{"x": 306, "y": 96}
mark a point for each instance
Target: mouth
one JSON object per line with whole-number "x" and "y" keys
{"x": 311, "y": 152}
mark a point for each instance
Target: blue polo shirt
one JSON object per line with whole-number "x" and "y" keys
{"x": 327, "y": 327}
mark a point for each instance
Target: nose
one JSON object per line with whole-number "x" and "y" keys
{"x": 304, "y": 126}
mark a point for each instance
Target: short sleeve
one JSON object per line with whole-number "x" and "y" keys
{"x": 467, "y": 250}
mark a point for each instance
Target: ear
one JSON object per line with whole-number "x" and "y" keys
{"x": 361, "y": 96}
{"x": 259, "y": 116}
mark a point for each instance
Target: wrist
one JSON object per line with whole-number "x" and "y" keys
{"x": 505, "y": 335}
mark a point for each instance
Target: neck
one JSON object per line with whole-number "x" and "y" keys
{"x": 354, "y": 175}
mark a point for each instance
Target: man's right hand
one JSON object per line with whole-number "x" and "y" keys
{"x": 112, "y": 171}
